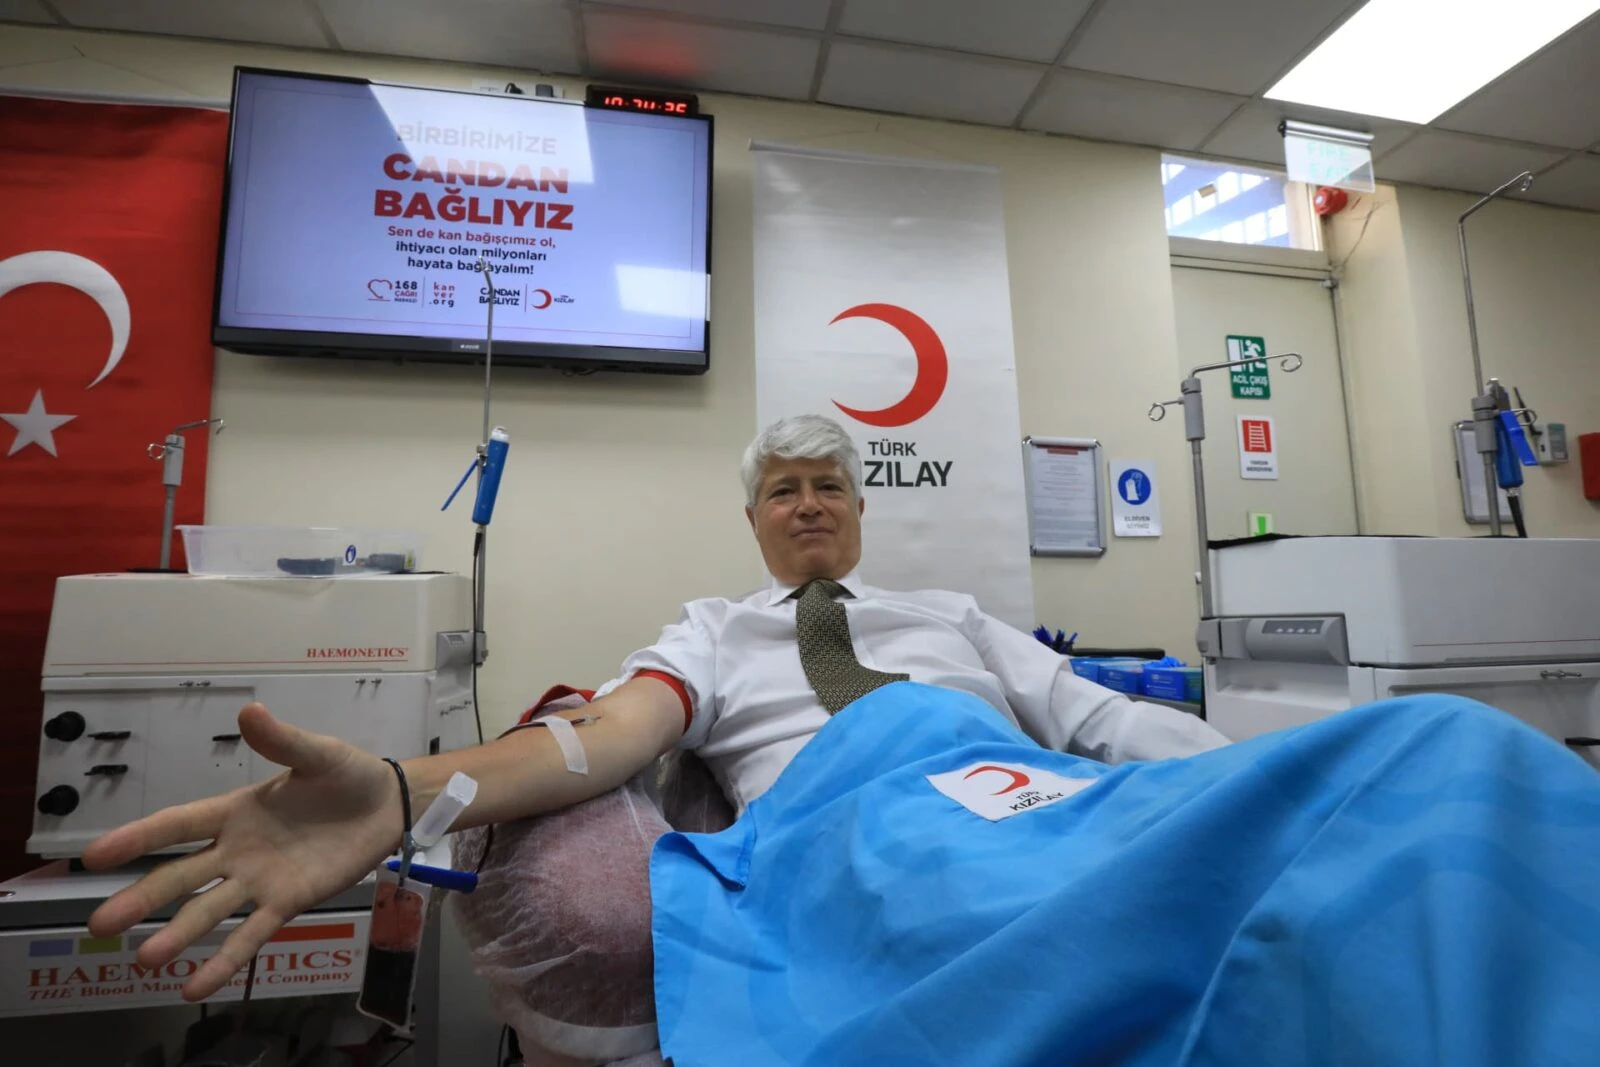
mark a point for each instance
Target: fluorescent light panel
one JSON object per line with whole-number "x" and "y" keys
{"x": 1413, "y": 60}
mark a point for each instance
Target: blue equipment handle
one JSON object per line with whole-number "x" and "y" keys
{"x": 1513, "y": 452}
{"x": 489, "y": 484}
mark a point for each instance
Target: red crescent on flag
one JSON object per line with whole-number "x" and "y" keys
{"x": 1018, "y": 779}
{"x": 933, "y": 366}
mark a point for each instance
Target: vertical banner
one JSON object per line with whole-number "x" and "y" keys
{"x": 108, "y": 237}
{"x": 882, "y": 300}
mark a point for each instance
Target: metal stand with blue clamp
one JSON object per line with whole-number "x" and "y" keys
{"x": 1497, "y": 423}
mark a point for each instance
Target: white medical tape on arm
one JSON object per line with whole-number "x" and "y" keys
{"x": 566, "y": 736}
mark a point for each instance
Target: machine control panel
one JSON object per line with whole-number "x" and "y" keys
{"x": 1304, "y": 639}
{"x": 1292, "y": 626}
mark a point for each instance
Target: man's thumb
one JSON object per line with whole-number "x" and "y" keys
{"x": 286, "y": 745}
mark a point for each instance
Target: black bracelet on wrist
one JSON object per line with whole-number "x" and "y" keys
{"x": 405, "y": 797}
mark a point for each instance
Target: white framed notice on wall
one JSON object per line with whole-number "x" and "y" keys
{"x": 1065, "y": 517}
{"x": 1470, "y": 473}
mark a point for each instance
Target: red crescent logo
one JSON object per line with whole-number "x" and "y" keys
{"x": 933, "y": 366}
{"x": 1018, "y": 779}
{"x": 547, "y": 298}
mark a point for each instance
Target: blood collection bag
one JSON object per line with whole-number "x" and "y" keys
{"x": 394, "y": 943}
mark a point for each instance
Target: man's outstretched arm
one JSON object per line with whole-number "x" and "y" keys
{"x": 291, "y": 842}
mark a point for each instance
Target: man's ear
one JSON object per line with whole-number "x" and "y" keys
{"x": 861, "y": 505}
{"x": 750, "y": 514}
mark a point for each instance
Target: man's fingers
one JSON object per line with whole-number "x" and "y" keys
{"x": 199, "y": 820}
{"x": 237, "y": 951}
{"x": 286, "y": 745}
{"x": 194, "y": 920}
{"x": 154, "y": 891}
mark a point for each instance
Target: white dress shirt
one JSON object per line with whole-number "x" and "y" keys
{"x": 753, "y": 709}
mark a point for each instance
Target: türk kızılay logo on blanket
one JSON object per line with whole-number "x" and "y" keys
{"x": 1000, "y": 790}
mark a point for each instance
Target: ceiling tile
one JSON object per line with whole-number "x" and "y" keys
{"x": 1447, "y": 161}
{"x": 1018, "y": 29}
{"x": 24, "y": 11}
{"x": 1122, "y": 109}
{"x": 1252, "y": 134}
{"x": 639, "y": 48}
{"x": 227, "y": 20}
{"x": 799, "y": 14}
{"x": 1550, "y": 99}
{"x": 908, "y": 81}
{"x": 530, "y": 34}
{"x": 1575, "y": 183}
{"x": 1236, "y": 47}
{"x": 1128, "y": 111}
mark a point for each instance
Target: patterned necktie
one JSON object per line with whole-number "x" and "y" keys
{"x": 826, "y": 653}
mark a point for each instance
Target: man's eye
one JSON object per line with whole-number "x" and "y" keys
{"x": 782, "y": 490}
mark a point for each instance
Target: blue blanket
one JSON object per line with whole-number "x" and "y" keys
{"x": 1412, "y": 882}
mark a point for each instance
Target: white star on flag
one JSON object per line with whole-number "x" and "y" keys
{"x": 36, "y": 426}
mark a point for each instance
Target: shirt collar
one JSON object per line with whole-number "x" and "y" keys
{"x": 778, "y": 591}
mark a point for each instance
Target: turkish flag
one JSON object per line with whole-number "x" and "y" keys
{"x": 108, "y": 238}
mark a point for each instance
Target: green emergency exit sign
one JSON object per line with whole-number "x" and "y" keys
{"x": 1249, "y": 383}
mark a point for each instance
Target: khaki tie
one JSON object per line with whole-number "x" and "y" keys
{"x": 826, "y": 652}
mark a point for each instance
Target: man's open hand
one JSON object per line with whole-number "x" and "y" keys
{"x": 285, "y": 845}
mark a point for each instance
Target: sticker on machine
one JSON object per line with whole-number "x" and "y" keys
{"x": 1000, "y": 790}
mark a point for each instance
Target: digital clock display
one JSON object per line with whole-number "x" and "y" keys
{"x": 653, "y": 101}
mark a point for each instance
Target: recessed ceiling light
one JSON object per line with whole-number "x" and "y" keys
{"x": 1413, "y": 60}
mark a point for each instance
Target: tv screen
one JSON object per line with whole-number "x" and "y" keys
{"x": 356, "y": 216}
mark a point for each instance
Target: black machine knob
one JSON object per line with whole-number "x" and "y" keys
{"x": 62, "y": 800}
{"x": 68, "y": 726}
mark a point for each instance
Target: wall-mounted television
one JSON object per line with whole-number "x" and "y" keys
{"x": 356, "y": 214}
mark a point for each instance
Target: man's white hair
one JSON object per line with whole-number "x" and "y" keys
{"x": 800, "y": 437}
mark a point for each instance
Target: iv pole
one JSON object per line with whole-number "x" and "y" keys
{"x": 170, "y": 453}
{"x": 480, "y": 636}
{"x": 1194, "y": 424}
{"x": 1486, "y": 403}
{"x": 488, "y": 463}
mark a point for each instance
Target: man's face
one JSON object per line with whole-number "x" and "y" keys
{"x": 807, "y": 520}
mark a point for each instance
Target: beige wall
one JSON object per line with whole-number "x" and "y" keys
{"x": 1536, "y": 275}
{"x": 621, "y": 499}
{"x": 1379, "y": 347}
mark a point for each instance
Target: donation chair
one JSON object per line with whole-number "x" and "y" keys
{"x": 559, "y": 926}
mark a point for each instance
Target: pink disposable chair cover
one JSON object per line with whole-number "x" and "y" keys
{"x": 559, "y": 926}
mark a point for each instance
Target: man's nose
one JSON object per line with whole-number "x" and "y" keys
{"x": 810, "y": 503}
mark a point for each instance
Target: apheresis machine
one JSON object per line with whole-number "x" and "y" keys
{"x": 1301, "y": 628}
{"x": 144, "y": 676}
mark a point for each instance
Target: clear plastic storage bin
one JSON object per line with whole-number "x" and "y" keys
{"x": 297, "y": 551}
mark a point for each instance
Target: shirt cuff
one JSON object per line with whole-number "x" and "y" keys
{"x": 678, "y": 687}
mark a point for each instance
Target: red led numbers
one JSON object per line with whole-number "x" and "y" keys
{"x": 631, "y": 100}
